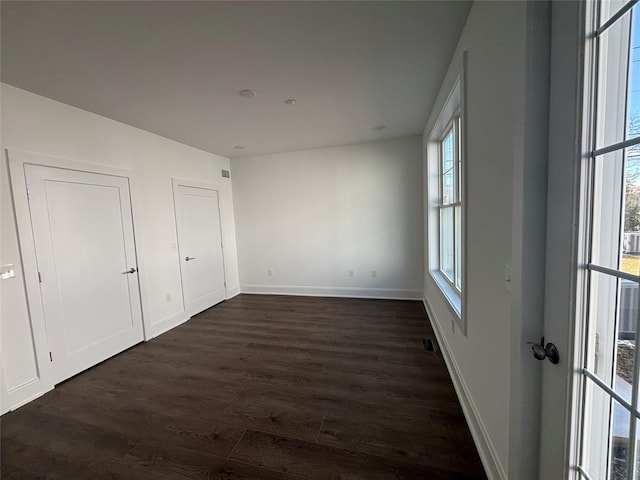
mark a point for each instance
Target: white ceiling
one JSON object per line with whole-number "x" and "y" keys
{"x": 175, "y": 68}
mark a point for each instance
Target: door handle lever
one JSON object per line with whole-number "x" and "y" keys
{"x": 540, "y": 351}
{"x": 186, "y": 259}
{"x": 131, "y": 270}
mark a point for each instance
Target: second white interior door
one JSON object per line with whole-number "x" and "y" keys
{"x": 200, "y": 247}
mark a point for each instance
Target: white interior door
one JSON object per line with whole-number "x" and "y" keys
{"x": 200, "y": 247}
{"x": 83, "y": 235}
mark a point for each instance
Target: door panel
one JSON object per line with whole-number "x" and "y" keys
{"x": 200, "y": 246}
{"x": 83, "y": 234}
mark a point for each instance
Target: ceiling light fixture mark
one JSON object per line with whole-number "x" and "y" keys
{"x": 378, "y": 128}
{"x": 290, "y": 101}
{"x": 247, "y": 93}
{"x": 239, "y": 147}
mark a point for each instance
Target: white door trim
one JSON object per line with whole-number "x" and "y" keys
{"x": 181, "y": 182}
{"x": 557, "y": 439}
{"x": 16, "y": 160}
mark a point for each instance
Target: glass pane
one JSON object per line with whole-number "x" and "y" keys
{"x": 605, "y": 442}
{"x": 446, "y": 241}
{"x": 447, "y": 149}
{"x": 459, "y": 161}
{"x": 633, "y": 95}
{"x": 458, "y": 240}
{"x": 582, "y": 476}
{"x": 448, "y": 170}
{"x": 619, "y": 454}
{"x": 630, "y": 261}
{"x": 448, "y": 185}
{"x": 612, "y": 338}
{"x": 609, "y": 8}
{"x": 609, "y": 215}
{"x": 617, "y": 105}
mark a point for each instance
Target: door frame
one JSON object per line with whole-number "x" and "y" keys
{"x": 16, "y": 160}
{"x": 562, "y": 308}
{"x": 181, "y": 182}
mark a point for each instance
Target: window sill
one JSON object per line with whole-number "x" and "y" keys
{"x": 453, "y": 297}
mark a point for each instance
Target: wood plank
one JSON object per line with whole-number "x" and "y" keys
{"x": 415, "y": 441}
{"x": 258, "y": 387}
{"x": 311, "y": 460}
{"x": 159, "y": 458}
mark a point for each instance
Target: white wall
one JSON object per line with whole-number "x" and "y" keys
{"x": 312, "y": 215}
{"x": 506, "y": 140}
{"x": 36, "y": 124}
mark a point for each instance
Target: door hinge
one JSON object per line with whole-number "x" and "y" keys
{"x": 28, "y": 193}
{"x": 222, "y": 245}
{"x": 225, "y": 284}
{"x": 50, "y": 357}
{"x": 39, "y": 278}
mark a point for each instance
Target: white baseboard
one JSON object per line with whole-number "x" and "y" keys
{"x": 168, "y": 323}
{"x": 27, "y": 400}
{"x": 22, "y": 395}
{"x": 233, "y": 292}
{"x": 16, "y": 397}
{"x": 373, "y": 293}
{"x": 179, "y": 318}
{"x": 488, "y": 455}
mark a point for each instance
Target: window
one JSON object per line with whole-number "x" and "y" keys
{"x": 450, "y": 206}
{"x": 608, "y": 434}
{"x": 445, "y": 197}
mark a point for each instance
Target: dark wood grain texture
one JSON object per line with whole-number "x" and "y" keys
{"x": 258, "y": 387}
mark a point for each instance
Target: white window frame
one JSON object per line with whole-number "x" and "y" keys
{"x": 452, "y": 116}
{"x": 452, "y": 128}
{"x": 605, "y": 99}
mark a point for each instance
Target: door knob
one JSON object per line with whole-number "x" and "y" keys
{"x": 186, "y": 259}
{"x": 131, "y": 270}
{"x": 540, "y": 351}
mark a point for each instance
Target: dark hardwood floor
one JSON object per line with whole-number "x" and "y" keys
{"x": 258, "y": 387}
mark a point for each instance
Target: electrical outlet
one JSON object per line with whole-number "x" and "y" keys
{"x": 270, "y": 272}
{"x": 350, "y": 272}
{"x": 374, "y": 273}
{"x": 167, "y": 297}
{"x": 7, "y": 271}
